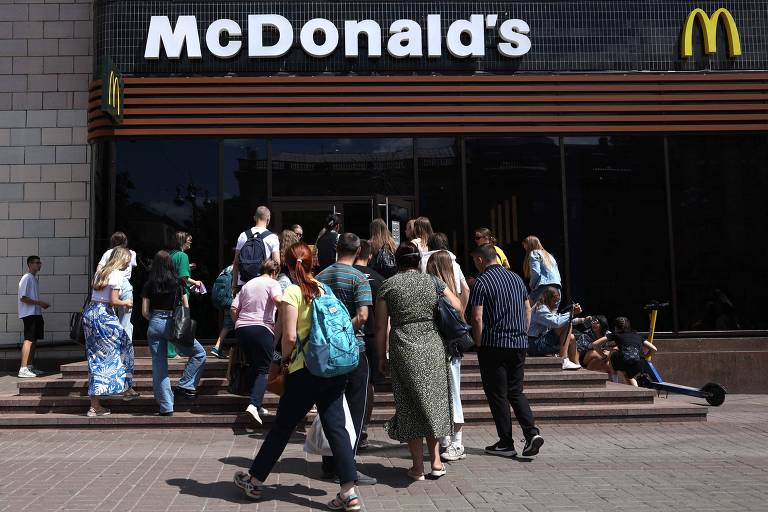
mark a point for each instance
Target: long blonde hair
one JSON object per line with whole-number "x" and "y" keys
{"x": 118, "y": 260}
{"x": 381, "y": 238}
{"x": 287, "y": 239}
{"x": 530, "y": 244}
{"x": 422, "y": 229}
{"x": 440, "y": 264}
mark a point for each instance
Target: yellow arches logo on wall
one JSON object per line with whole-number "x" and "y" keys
{"x": 709, "y": 32}
{"x": 112, "y": 92}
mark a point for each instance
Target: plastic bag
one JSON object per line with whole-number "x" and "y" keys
{"x": 316, "y": 442}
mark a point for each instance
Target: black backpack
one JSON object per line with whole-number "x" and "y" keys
{"x": 252, "y": 255}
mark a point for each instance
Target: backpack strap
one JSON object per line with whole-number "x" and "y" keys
{"x": 264, "y": 234}
{"x": 248, "y": 234}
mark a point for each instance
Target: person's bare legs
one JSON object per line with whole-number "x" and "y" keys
{"x": 416, "y": 446}
{"x": 433, "y": 449}
{"x": 222, "y": 334}
{"x": 27, "y": 351}
{"x": 573, "y": 353}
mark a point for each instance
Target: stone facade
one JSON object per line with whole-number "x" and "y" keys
{"x": 45, "y": 67}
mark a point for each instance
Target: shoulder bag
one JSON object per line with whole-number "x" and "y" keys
{"x": 182, "y": 333}
{"x": 457, "y": 335}
{"x": 76, "y": 332}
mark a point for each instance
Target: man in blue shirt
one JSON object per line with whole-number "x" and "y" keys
{"x": 500, "y": 317}
{"x": 351, "y": 287}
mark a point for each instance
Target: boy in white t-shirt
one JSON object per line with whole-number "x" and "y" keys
{"x": 271, "y": 245}
{"x": 31, "y": 314}
{"x": 119, "y": 239}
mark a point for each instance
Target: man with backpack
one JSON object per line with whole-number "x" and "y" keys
{"x": 254, "y": 246}
{"x": 351, "y": 287}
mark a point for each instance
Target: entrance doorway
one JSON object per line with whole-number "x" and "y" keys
{"x": 356, "y": 214}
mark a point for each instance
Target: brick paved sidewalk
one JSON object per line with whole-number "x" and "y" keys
{"x": 718, "y": 465}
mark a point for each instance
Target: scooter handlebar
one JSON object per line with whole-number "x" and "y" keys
{"x": 656, "y": 305}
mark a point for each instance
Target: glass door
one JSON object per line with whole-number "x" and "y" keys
{"x": 395, "y": 211}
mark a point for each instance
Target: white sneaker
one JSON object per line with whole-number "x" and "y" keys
{"x": 26, "y": 373}
{"x": 254, "y": 412}
{"x": 35, "y": 370}
{"x": 263, "y": 411}
{"x": 568, "y": 365}
{"x": 453, "y": 452}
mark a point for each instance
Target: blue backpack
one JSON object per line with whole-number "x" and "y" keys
{"x": 332, "y": 347}
{"x": 221, "y": 293}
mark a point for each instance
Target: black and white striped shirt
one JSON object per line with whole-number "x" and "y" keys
{"x": 503, "y": 295}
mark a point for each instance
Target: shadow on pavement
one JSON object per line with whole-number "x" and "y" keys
{"x": 295, "y": 494}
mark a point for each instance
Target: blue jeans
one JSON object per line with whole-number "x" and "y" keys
{"x": 258, "y": 343}
{"x": 302, "y": 390}
{"x": 158, "y": 334}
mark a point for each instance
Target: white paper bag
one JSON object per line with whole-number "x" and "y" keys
{"x": 316, "y": 442}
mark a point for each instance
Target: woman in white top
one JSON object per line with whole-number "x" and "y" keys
{"x": 422, "y": 230}
{"x": 107, "y": 346}
{"x": 119, "y": 239}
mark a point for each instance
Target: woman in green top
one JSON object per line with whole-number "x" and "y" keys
{"x": 182, "y": 241}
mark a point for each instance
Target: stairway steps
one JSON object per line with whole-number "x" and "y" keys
{"x": 232, "y": 403}
{"x": 544, "y": 414}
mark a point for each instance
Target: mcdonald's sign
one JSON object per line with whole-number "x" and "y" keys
{"x": 709, "y": 32}
{"x": 112, "y": 92}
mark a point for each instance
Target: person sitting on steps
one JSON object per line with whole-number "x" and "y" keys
{"x": 550, "y": 331}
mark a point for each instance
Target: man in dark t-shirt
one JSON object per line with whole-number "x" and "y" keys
{"x": 374, "y": 280}
{"x": 327, "y": 242}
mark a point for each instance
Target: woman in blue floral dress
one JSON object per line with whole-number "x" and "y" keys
{"x": 107, "y": 345}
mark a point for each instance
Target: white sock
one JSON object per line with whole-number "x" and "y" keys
{"x": 445, "y": 442}
{"x": 456, "y": 439}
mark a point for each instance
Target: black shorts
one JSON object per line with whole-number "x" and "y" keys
{"x": 631, "y": 368}
{"x": 33, "y": 327}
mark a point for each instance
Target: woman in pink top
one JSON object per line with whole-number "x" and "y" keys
{"x": 253, "y": 311}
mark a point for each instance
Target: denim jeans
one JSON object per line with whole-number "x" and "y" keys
{"x": 258, "y": 343}
{"x": 302, "y": 389}
{"x": 158, "y": 334}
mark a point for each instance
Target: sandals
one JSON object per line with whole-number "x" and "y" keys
{"x": 339, "y": 503}
{"x": 92, "y": 413}
{"x": 437, "y": 473}
{"x": 418, "y": 476}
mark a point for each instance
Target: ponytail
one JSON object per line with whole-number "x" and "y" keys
{"x": 298, "y": 257}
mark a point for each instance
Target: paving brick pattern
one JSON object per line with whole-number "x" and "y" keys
{"x": 718, "y": 465}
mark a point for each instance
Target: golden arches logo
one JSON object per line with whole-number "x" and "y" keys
{"x": 709, "y": 32}
{"x": 114, "y": 99}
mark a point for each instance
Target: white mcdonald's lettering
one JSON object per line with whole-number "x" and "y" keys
{"x": 404, "y": 37}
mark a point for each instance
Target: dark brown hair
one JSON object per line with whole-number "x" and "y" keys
{"x": 407, "y": 256}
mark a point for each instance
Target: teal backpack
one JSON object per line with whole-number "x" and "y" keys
{"x": 221, "y": 293}
{"x": 332, "y": 347}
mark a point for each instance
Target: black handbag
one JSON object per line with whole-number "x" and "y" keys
{"x": 240, "y": 374}
{"x": 384, "y": 263}
{"x": 457, "y": 335}
{"x": 76, "y": 331}
{"x": 183, "y": 333}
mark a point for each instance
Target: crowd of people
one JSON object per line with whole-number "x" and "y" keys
{"x": 390, "y": 291}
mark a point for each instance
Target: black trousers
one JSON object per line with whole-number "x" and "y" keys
{"x": 502, "y": 370}
{"x": 302, "y": 389}
{"x": 356, "y": 392}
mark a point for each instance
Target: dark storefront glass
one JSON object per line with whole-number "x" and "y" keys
{"x": 167, "y": 186}
{"x": 720, "y": 212}
{"x": 617, "y": 226}
{"x": 514, "y": 188}
{"x": 245, "y": 188}
{"x": 440, "y": 194}
{"x": 342, "y": 167}
{"x": 101, "y": 199}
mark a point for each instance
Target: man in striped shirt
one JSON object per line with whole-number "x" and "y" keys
{"x": 501, "y": 314}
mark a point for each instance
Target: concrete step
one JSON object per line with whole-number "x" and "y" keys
{"x": 610, "y": 413}
{"x": 60, "y": 385}
{"x": 224, "y": 402}
{"x": 218, "y": 367}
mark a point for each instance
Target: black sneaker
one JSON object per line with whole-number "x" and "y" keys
{"x": 532, "y": 445}
{"x": 501, "y": 450}
{"x": 186, "y": 393}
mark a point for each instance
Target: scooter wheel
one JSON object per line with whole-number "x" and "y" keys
{"x": 714, "y": 394}
{"x": 644, "y": 381}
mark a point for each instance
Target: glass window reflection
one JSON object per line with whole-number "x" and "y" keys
{"x": 245, "y": 187}
{"x": 719, "y": 215}
{"x": 513, "y": 187}
{"x": 342, "y": 166}
{"x": 617, "y": 226}
{"x": 163, "y": 187}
